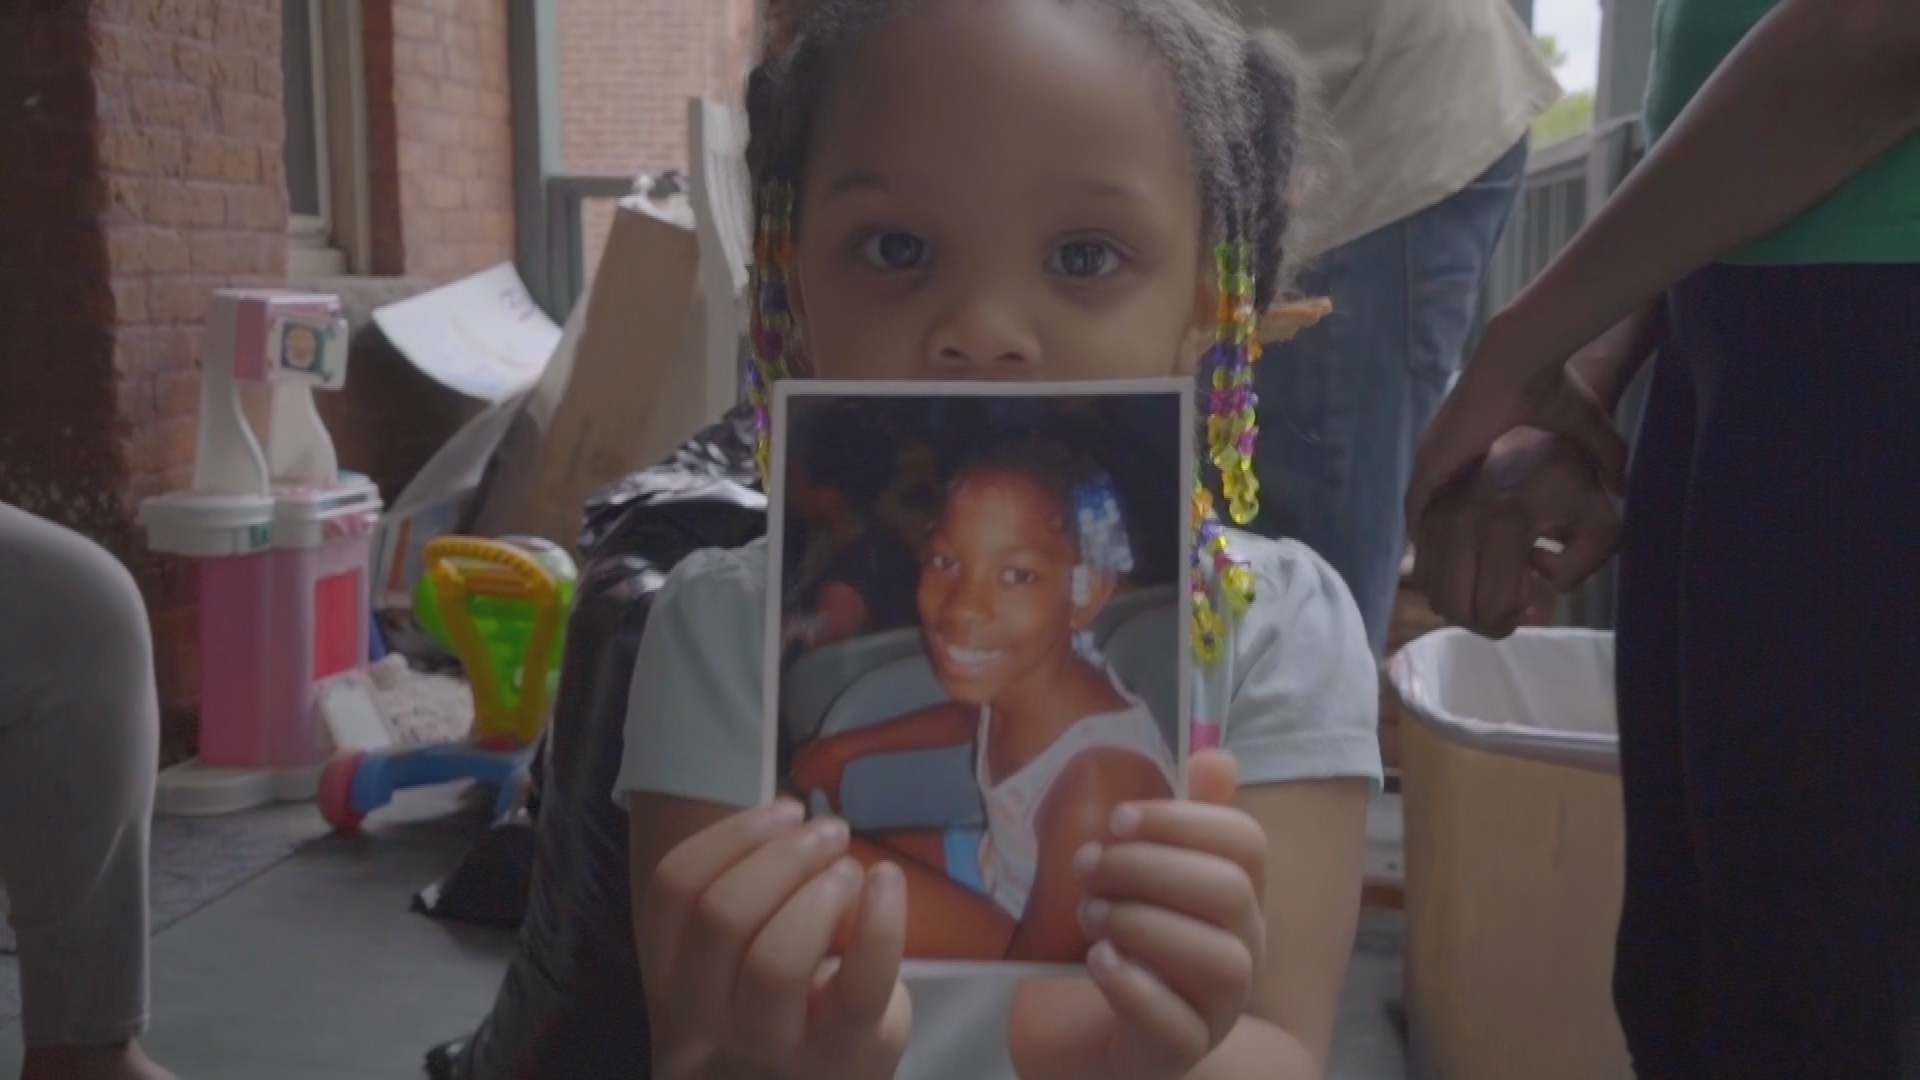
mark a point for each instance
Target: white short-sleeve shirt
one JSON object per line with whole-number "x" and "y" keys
{"x": 1296, "y": 694}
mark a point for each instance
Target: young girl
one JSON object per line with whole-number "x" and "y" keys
{"x": 1016, "y": 189}
{"x": 1013, "y": 576}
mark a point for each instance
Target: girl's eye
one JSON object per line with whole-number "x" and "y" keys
{"x": 1017, "y": 576}
{"x": 1084, "y": 259}
{"x": 940, "y": 562}
{"x": 894, "y": 250}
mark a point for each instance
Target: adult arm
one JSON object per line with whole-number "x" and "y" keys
{"x": 1816, "y": 91}
{"x": 1607, "y": 366}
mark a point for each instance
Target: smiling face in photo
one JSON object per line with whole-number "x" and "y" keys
{"x": 996, "y": 587}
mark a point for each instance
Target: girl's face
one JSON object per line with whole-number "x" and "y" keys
{"x": 996, "y": 587}
{"x": 998, "y": 190}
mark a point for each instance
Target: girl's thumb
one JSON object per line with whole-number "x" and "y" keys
{"x": 1212, "y": 777}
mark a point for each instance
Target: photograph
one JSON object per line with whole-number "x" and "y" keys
{"x": 977, "y": 646}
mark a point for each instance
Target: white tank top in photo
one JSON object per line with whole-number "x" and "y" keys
{"x": 1010, "y": 852}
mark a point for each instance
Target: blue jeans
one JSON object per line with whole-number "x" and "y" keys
{"x": 1343, "y": 406}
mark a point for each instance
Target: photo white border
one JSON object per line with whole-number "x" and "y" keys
{"x": 783, "y": 394}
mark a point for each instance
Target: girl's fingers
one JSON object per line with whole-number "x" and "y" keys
{"x": 1154, "y": 1026}
{"x": 1212, "y": 970}
{"x": 1201, "y": 887}
{"x": 685, "y": 873}
{"x": 775, "y": 981}
{"x": 856, "y": 997}
{"x": 1222, "y": 831}
{"x": 736, "y": 907}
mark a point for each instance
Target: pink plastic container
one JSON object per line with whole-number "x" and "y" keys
{"x": 272, "y": 627}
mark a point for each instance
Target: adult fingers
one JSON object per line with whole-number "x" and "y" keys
{"x": 1575, "y": 413}
{"x": 1502, "y": 570}
{"x": 683, "y": 876}
{"x": 1449, "y": 544}
{"x": 1463, "y": 429}
{"x": 775, "y": 983}
{"x": 856, "y": 997}
{"x": 738, "y": 906}
{"x": 1584, "y": 549}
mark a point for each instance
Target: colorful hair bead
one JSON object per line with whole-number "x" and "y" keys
{"x": 770, "y": 318}
{"x": 1231, "y": 432}
{"x": 1099, "y": 527}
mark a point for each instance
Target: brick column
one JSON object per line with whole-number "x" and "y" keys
{"x": 140, "y": 168}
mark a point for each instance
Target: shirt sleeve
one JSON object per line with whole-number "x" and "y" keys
{"x": 1305, "y": 701}
{"x": 694, "y": 724}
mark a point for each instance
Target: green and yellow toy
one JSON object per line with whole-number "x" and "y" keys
{"x": 501, "y": 606}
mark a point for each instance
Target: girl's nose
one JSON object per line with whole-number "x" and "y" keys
{"x": 984, "y": 338}
{"x": 967, "y": 604}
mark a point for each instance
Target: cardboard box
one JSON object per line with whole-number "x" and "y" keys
{"x": 627, "y": 384}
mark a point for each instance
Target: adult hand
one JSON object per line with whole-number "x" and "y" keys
{"x": 1477, "y": 544}
{"x": 1506, "y": 386}
{"x": 1175, "y": 911}
{"x": 736, "y": 927}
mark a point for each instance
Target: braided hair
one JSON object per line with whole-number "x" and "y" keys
{"x": 1243, "y": 101}
{"x": 1242, "y": 95}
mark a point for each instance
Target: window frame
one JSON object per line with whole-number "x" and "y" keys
{"x": 338, "y": 240}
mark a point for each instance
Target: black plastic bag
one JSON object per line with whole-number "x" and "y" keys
{"x": 571, "y": 1003}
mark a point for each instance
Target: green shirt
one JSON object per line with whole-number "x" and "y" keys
{"x": 1873, "y": 218}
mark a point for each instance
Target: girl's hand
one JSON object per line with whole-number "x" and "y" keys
{"x": 735, "y": 929}
{"x": 818, "y": 766}
{"x": 1175, "y": 912}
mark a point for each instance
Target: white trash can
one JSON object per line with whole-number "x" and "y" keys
{"x": 1514, "y": 855}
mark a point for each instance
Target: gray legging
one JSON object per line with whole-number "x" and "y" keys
{"x": 79, "y": 746}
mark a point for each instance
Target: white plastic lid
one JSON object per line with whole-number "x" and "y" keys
{"x": 208, "y": 525}
{"x": 352, "y": 494}
{"x": 307, "y": 517}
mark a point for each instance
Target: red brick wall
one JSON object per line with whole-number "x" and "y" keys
{"x": 627, "y": 68}
{"x": 143, "y": 171}
{"x": 443, "y": 135}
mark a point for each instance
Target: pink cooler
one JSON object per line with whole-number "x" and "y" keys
{"x": 273, "y": 626}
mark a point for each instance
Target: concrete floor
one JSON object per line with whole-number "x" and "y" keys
{"x": 317, "y": 970}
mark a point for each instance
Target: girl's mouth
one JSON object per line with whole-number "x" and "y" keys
{"x": 966, "y": 662}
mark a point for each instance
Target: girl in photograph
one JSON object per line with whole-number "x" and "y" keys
{"x": 1027, "y": 551}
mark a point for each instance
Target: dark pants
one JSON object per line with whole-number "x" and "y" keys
{"x": 1769, "y": 682}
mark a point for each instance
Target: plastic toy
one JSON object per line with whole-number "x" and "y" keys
{"x": 278, "y": 534}
{"x": 501, "y": 606}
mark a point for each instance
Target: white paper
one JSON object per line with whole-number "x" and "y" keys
{"x": 482, "y": 336}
